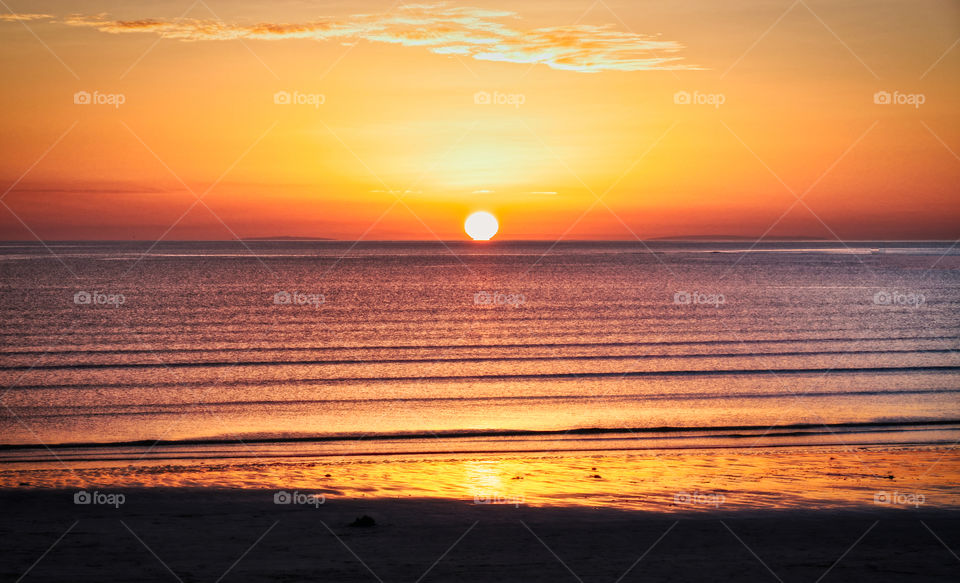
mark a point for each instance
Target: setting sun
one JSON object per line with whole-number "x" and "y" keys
{"x": 481, "y": 226}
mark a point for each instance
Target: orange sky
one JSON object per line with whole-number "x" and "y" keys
{"x": 591, "y": 137}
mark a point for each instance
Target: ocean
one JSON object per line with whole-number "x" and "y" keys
{"x": 140, "y": 352}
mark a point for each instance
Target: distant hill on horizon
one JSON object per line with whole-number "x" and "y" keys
{"x": 736, "y": 238}
{"x": 287, "y": 238}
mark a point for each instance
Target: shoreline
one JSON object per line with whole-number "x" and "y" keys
{"x": 737, "y": 480}
{"x": 468, "y": 433}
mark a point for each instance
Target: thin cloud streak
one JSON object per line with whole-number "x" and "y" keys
{"x": 12, "y": 17}
{"x": 485, "y": 35}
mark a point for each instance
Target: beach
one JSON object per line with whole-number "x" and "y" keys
{"x": 241, "y": 535}
{"x": 850, "y": 514}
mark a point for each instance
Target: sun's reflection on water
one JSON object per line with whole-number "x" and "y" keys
{"x": 669, "y": 482}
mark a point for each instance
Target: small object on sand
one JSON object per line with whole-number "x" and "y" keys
{"x": 364, "y": 522}
{"x": 593, "y": 469}
{"x": 517, "y": 478}
{"x": 326, "y": 475}
{"x": 597, "y": 476}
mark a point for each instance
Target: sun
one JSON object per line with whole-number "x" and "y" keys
{"x": 481, "y": 226}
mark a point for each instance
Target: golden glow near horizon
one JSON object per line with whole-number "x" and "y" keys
{"x": 346, "y": 120}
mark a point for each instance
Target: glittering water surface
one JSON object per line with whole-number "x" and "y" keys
{"x": 300, "y": 349}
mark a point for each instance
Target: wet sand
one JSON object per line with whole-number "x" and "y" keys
{"x": 165, "y": 534}
{"x": 742, "y": 479}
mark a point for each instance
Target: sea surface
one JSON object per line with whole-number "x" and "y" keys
{"x": 146, "y": 352}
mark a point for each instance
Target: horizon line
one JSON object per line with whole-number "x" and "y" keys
{"x": 291, "y": 239}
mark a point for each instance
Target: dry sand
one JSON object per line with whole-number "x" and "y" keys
{"x": 242, "y": 535}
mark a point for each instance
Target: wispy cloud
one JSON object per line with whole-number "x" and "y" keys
{"x": 11, "y": 17}
{"x": 487, "y": 35}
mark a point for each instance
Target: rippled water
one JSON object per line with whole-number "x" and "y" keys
{"x": 330, "y": 347}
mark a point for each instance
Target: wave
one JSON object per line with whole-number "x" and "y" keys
{"x": 454, "y": 360}
{"x": 798, "y": 340}
{"x": 666, "y": 327}
{"x": 503, "y": 377}
{"x": 147, "y": 409}
{"x": 718, "y": 431}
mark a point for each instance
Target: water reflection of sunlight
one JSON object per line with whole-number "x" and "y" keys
{"x": 668, "y": 481}
{"x": 482, "y": 476}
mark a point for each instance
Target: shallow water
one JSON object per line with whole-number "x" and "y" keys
{"x": 694, "y": 481}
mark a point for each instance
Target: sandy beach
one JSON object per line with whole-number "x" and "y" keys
{"x": 833, "y": 515}
{"x": 242, "y": 535}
